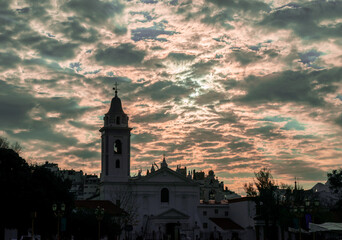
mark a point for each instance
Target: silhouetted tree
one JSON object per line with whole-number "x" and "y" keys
{"x": 335, "y": 184}
{"x": 4, "y": 143}
{"x": 16, "y": 147}
{"x": 250, "y": 190}
{"x": 335, "y": 180}
{"x": 29, "y": 189}
{"x": 264, "y": 189}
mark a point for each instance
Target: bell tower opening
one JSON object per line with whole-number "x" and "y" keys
{"x": 117, "y": 147}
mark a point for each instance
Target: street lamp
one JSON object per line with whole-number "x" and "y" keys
{"x": 59, "y": 212}
{"x": 99, "y": 212}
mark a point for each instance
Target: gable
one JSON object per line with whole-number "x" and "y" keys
{"x": 166, "y": 175}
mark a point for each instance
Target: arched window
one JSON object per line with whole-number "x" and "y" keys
{"x": 117, "y": 120}
{"x": 117, "y": 147}
{"x": 164, "y": 195}
{"x": 117, "y": 163}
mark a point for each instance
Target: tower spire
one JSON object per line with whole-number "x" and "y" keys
{"x": 116, "y": 89}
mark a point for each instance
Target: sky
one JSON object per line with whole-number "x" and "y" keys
{"x": 233, "y": 86}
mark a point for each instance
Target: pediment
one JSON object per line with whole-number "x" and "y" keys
{"x": 171, "y": 214}
{"x": 166, "y": 175}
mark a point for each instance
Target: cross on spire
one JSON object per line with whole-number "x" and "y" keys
{"x": 116, "y": 89}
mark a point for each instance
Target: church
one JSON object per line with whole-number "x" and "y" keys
{"x": 164, "y": 204}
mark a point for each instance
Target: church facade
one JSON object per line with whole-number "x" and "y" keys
{"x": 164, "y": 204}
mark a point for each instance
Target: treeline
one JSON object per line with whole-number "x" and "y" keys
{"x": 29, "y": 193}
{"x": 283, "y": 206}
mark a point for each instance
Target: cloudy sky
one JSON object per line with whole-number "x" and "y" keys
{"x": 228, "y": 85}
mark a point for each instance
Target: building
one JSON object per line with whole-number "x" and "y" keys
{"x": 165, "y": 202}
{"x": 83, "y": 186}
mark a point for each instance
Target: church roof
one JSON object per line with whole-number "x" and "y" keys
{"x": 162, "y": 173}
{"x": 115, "y": 106}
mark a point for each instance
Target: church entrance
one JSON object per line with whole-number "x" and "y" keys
{"x": 172, "y": 231}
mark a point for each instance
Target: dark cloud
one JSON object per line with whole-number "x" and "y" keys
{"x": 83, "y": 154}
{"x": 244, "y": 57}
{"x": 94, "y": 11}
{"x": 120, "y": 30}
{"x": 82, "y": 125}
{"x": 22, "y": 111}
{"x": 200, "y": 135}
{"x": 235, "y": 162}
{"x": 254, "y": 6}
{"x": 289, "y": 86}
{"x": 304, "y": 19}
{"x": 298, "y": 168}
{"x": 143, "y": 138}
{"x": 180, "y": 56}
{"x": 77, "y": 32}
{"x": 52, "y": 48}
{"x": 154, "y": 117}
{"x": 224, "y": 11}
{"x": 203, "y": 67}
{"x": 223, "y": 118}
{"x": 220, "y": 18}
{"x": 122, "y": 55}
{"x": 304, "y": 137}
{"x": 41, "y": 130}
{"x": 338, "y": 120}
{"x": 270, "y": 132}
{"x": 8, "y": 60}
{"x": 209, "y": 98}
{"x": 15, "y": 106}
{"x": 162, "y": 91}
{"x": 237, "y": 146}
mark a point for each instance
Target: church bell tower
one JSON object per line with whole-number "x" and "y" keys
{"x": 115, "y": 141}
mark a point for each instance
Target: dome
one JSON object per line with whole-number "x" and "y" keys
{"x": 115, "y": 106}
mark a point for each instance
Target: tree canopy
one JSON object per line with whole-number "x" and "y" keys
{"x": 29, "y": 189}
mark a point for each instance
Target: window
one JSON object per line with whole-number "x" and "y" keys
{"x": 205, "y": 225}
{"x": 117, "y": 163}
{"x": 216, "y": 211}
{"x": 117, "y": 120}
{"x": 204, "y": 213}
{"x": 117, "y": 202}
{"x": 226, "y": 213}
{"x": 164, "y": 195}
{"x": 117, "y": 147}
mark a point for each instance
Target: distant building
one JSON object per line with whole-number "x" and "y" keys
{"x": 83, "y": 186}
